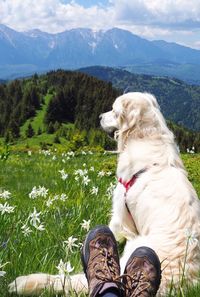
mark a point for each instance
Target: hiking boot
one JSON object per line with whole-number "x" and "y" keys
{"x": 142, "y": 274}
{"x": 101, "y": 261}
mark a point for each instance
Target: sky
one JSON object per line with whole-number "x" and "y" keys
{"x": 171, "y": 20}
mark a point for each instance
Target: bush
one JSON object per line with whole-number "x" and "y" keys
{"x": 56, "y": 139}
{"x": 79, "y": 140}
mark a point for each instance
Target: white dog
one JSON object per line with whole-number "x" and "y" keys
{"x": 154, "y": 204}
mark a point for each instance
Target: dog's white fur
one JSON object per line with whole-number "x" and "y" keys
{"x": 165, "y": 210}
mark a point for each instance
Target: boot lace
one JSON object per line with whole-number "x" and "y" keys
{"x": 136, "y": 283}
{"x": 106, "y": 268}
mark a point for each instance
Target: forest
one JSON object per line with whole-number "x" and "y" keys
{"x": 179, "y": 101}
{"x": 72, "y": 102}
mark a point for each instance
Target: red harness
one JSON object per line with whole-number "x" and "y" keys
{"x": 128, "y": 184}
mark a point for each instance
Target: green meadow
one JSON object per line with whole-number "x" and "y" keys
{"x": 48, "y": 201}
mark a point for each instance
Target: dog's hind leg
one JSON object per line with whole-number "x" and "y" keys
{"x": 34, "y": 284}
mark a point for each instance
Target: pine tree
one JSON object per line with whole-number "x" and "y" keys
{"x": 39, "y": 132}
{"x": 50, "y": 128}
{"x": 30, "y": 132}
{"x": 13, "y": 127}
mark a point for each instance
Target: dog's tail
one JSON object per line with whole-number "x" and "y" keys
{"x": 34, "y": 284}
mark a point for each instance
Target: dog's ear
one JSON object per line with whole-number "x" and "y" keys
{"x": 130, "y": 116}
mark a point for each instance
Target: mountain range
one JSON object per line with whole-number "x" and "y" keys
{"x": 23, "y": 53}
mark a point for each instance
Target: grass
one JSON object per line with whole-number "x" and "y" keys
{"x": 42, "y": 250}
{"x": 38, "y": 120}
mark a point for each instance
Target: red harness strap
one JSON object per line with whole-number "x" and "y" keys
{"x": 128, "y": 184}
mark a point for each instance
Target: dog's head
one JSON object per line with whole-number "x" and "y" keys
{"x": 136, "y": 114}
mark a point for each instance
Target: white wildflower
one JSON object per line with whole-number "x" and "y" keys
{"x": 109, "y": 173}
{"x": 110, "y": 189}
{"x": 56, "y": 197}
{"x": 26, "y": 230}
{"x": 34, "y": 217}
{"x": 86, "y": 225}
{"x": 42, "y": 191}
{"x": 64, "y": 175}
{"x": 29, "y": 153}
{"x": 2, "y": 273}
{"x": 191, "y": 237}
{"x": 83, "y": 153}
{"x": 5, "y": 194}
{"x": 92, "y": 168}
{"x": 54, "y": 158}
{"x": 49, "y": 202}
{"x": 101, "y": 173}
{"x": 46, "y": 153}
{"x": 81, "y": 172}
{"x": 33, "y": 194}
{"x": 191, "y": 151}
{"x": 6, "y": 208}
{"x": 39, "y": 227}
{"x": 71, "y": 243}
{"x": 64, "y": 268}
{"x": 86, "y": 180}
{"x": 71, "y": 154}
{"x": 63, "y": 197}
{"x": 94, "y": 190}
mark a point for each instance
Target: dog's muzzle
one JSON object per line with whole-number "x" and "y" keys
{"x": 107, "y": 124}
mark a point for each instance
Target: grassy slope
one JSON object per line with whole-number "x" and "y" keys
{"x": 42, "y": 250}
{"x": 37, "y": 121}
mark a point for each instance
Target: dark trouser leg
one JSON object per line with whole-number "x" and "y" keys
{"x": 113, "y": 292}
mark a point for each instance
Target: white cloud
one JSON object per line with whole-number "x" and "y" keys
{"x": 167, "y": 13}
{"x": 55, "y": 15}
{"x": 197, "y": 45}
{"x": 51, "y": 15}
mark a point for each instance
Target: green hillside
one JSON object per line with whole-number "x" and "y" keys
{"x": 179, "y": 102}
{"x": 189, "y": 73}
{"x": 64, "y": 107}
